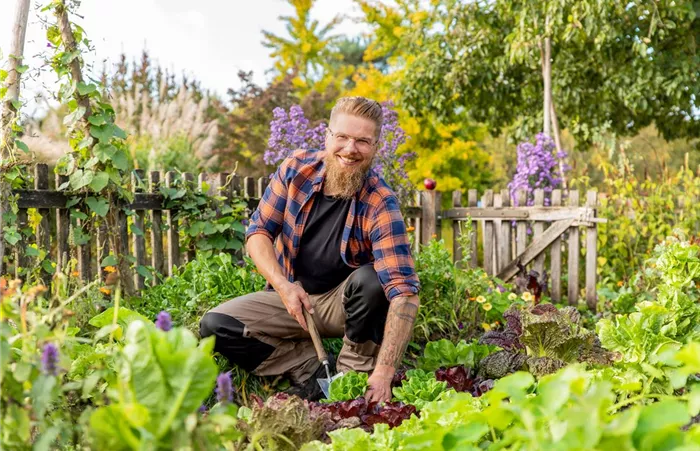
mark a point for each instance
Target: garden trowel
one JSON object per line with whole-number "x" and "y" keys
{"x": 325, "y": 383}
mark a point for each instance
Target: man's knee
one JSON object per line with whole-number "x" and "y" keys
{"x": 366, "y": 306}
{"x": 231, "y": 342}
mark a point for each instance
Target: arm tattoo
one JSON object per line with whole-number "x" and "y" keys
{"x": 397, "y": 330}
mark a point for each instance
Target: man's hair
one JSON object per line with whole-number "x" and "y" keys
{"x": 361, "y": 107}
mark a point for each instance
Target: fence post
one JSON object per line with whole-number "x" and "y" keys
{"x": 173, "y": 231}
{"x": 472, "y": 199}
{"x": 591, "y": 254}
{"x": 574, "y": 252}
{"x": 487, "y": 201}
{"x": 157, "y": 260}
{"x": 139, "y": 234}
{"x": 430, "y": 214}
{"x": 456, "y": 248}
{"x": 62, "y": 231}
{"x": 43, "y": 239}
{"x": 555, "y": 255}
{"x": 537, "y": 230}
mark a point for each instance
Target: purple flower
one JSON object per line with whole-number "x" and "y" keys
{"x": 203, "y": 408}
{"x": 163, "y": 321}
{"x": 500, "y": 288}
{"x": 224, "y": 388}
{"x": 245, "y": 222}
{"x": 49, "y": 359}
{"x": 460, "y": 325}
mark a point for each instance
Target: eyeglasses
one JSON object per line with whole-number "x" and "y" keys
{"x": 363, "y": 144}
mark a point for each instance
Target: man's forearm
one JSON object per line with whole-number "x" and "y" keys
{"x": 397, "y": 333}
{"x": 262, "y": 251}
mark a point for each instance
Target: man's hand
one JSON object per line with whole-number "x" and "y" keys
{"x": 294, "y": 298}
{"x": 379, "y": 384}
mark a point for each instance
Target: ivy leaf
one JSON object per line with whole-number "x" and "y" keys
{"x": 48, "y": 267}
{"x": 102, "y": 132}
{"x": 98, "y": 119}
{"x": 74, "y": 117}
{"x": 104, "y": 152}
{"x": 91, "y": 162}
{"x": 12, "y": 236}
{"x": 21, "y": 145}
{"x": 22, "y": 69}
{"x": 99, "y": 205}
{"x": 81, "y": 178}
{"x": 109, "y": 260}
{"x": 120, "y": 161}
{"x": 136, "y": 231}
{"x": 142, "y": 270}
{"x": 85, "y": 89}
{"x": 76, "y": 214}
{"x": 72, "y": 201}
{"x": 100, "y": 180}
{"x": 31, "y": 251}
{"x": 17, "y": 104}
{"x": 118, "y": 132}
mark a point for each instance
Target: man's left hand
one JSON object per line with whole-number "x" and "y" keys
{"x": 379, "y": 387}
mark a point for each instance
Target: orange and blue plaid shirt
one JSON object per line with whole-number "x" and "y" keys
{"x": 374, "y": 231}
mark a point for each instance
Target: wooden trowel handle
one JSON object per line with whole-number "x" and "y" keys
{"x": 315, "y": 336}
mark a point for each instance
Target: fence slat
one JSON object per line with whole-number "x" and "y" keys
{"x": 497, "y": 236}
{"x": 249, "y": 187}
{"x": 472, "y": 200}
{"x": 456, "y": 248}
{"x": 521, "y": 226}
{"x": 537, "y": 229}
{"x": 62, "y": 232}
{"x": 591, "y": 255}
{"x": 506, "y": 233}
{"x": 157, "y": 260}
{"x": 189, "y": 181}
{"x": 139, "y": 235}
{"x": 555, "y": 256}
{"x": 43, "y": 229}
{"x": 574, "y": 253}
{"x": 487, "y": 201}
{"x": 21, "y": 258}
{"x": 173, "y": 231}
{"x": 102, "y": 248}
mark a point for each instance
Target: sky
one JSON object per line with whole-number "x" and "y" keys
{"x": 210, "y": 40}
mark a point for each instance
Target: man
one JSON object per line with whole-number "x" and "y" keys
{"x": 341, "y": 252}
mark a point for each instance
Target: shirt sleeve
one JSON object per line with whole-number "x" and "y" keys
{"x": 391, "y": 248}
{"x": 268, "y": 218}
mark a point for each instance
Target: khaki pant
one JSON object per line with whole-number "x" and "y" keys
{"x": 256, "y": 332}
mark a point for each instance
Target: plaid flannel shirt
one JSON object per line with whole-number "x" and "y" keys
{"x": 374, "y": 231}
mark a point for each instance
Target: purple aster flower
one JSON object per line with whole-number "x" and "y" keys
{"x": 203, "y": 408}
{"x": 460, "y": 325}
{"x": 49, "y": 359}
{"x": 163, "y": 321}
{"x": 501, "y": 289}
{"x": 224, "y": 388}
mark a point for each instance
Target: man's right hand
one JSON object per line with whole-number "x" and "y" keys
{"x": 294, "y": 299}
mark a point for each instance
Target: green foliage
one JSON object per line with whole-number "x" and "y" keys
{"x": 483, "y": 59}
{"x": 419, "y": 388}
{"x": 349, "y": 386}
{"x": 200, "y": 285}
{"x": 177, "y": 153}
{"x": 444, "y": 353}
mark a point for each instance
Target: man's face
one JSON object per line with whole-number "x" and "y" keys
{"x": 350, "y": 148}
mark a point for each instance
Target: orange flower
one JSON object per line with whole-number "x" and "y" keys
{"x": 411, "y": 229}
{"x": 75, "y": 274}
{"x": 110, "y": 269}
{"x": 472, "y": 298}
{"x": 620, "y": 283}
{"x": 106, "y": 291}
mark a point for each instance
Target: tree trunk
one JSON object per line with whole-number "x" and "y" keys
{"x": 547, "y": 79}
{"x": 557, "y": 143}
{"x": 126, "y": 279}
{"x": 19, "y": 32}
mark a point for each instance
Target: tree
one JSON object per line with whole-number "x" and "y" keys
{"x": 616, "y": 67}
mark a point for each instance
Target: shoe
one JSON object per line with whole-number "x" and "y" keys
{"x": 310, "y": 389}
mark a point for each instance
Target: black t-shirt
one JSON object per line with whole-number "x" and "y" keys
{"x": 318, "y": 265}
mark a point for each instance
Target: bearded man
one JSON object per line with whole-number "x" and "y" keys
{"x": 328, "y": 236}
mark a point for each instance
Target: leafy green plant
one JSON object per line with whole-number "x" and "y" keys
{"x": 163, "y": 379}
{"x": 444, "y": 353}
{"x": 349, "y": 386}
{"x": 419, "y": 388}
{"x": 199, "y": 286}
{"x": 541, "y": 339}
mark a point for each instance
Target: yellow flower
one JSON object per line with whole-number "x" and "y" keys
{"x": 512, "y": 297}
{"x": 480, "y": 299}
{"x": 105, "y": 290}
{"x": 487, "y": 306}
{"x": 486, "y": 326}
{"x": 410, "y": 229}
{"x": 620, "y": 283}
{"x": 527, "y": 296}
{"x": 110, "y": 269}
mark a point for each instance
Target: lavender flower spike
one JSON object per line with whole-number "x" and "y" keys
{"x": 49, "y": 359}
{"x": 163, "y": 321}
{"x": 224, "y": 388}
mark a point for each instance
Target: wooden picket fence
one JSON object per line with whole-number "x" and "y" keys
{"x": 507, "y": 235}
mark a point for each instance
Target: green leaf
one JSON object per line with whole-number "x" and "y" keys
{"x": 102, "y": 132}
{"x": 120, "y": 161}
{"x": 109, "y": 260}
{"x": 124, "y": 318}
{"x": 98, "y": 119}
{"x": 21, "y": 145}
{"x": 31, "y": 251}
{"x": 71, "y": 119}
{"x": 91, "y": 162}
{"x": 22, "y": 372}
{"x": 12, "y": 236}
{"x": 80, "y": 178}
{"x": 99, "y": 205}
{"x": 17, "y": 104}
{"x": 85, "y": 89}
{"x": 22, "y": 69}
{"x": 100, "y": 180}
{"x": 42, "y": 394}
{"x": 48, "y": 267}
{"x": 104, "y": 152}
{"x": 118, "y": 132}
{"x": 349, "y": 386}
{"x": 117, "y": 426}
